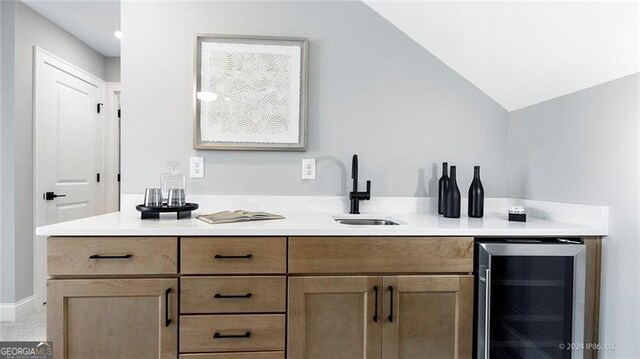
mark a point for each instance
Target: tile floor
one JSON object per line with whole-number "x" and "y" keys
{"x": 30, "y": 328}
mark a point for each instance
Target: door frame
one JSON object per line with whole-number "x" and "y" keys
{"x": 42, "y": 58}
{"x": 112, "y": 140}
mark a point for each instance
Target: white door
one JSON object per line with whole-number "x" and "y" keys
{"x": 67, "y": 148}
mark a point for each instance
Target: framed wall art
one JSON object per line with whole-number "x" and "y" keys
{"x": 250, "y": 93}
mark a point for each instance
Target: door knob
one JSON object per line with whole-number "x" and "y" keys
{"x": 50, "y": 196}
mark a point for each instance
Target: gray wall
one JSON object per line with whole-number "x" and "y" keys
{"x": 112, "y": 69}
{"x": 583, "y": 148}
{"x": 28, "y": 29}
{"x": 7, "y": 180}
{"x": 372, "y": 91}
{"x": 2, "y": 250}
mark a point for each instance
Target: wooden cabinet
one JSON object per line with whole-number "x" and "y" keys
{"x": 390, "y": 317}
{"x": 232, "y": 333}
{"x": 334, "y": 317}
{"x": 340, "y": 255}
{"x": 348, "y": 297}
{"x": 246, "y": 355}
{"x": 427, "y": 314}
{"x": 238, "y": 294}
{"x": 233, "y": 255}
{"x": 88, "y": 256}
{"x": 222, "y": 280}
{"x": 113, "y": 318}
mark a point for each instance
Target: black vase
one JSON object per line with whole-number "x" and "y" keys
{"x": 476, "y": 195}
{"x": 452, "y": 197}
{"x": 443, "y": 183}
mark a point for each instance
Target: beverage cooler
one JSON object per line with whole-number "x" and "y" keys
{"x": 529, "y": 298}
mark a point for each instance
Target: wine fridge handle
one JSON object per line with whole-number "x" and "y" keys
{"x": 487, "y": 312}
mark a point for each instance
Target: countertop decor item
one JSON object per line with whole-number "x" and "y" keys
{"x": 154, "y": 212}
{"x": 476, "y": 195}
{"x": 452, "y": 197}
{"x": 443, "y": 183}
{"x": 237, "y": 216}
{"x": 172, "y": 179}
{"x": 153, "y": 197}
{"x": 176, "y": 197}
{"x": 250, "y": 93}
{"x": 517, "y": 214}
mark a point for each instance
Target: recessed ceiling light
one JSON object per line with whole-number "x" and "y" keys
{"x": 118, "y": 34}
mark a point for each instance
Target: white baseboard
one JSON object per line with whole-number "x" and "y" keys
{"x": 10, "y": 312}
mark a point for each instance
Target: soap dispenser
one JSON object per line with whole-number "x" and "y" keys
{"x": 172, "y": 179}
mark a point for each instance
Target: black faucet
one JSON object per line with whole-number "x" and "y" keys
{"x": 354, "y": 196}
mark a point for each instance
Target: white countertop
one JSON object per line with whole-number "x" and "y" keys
{"x": 313, "y": 216}
{"x": 316, "y": 224}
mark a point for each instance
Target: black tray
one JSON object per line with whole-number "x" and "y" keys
{"x": 154, "y": 212}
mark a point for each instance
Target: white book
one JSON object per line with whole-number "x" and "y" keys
{"x": 237, "y": 216}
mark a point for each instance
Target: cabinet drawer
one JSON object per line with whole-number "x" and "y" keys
{"x": 232, "y": 294}
{"x": 223, "y": 333}
{"x": 233, "y": 255}
{"x": 247, "y": 355}
{"x": 380, "y": 254}
{"x": 112, "y": 255}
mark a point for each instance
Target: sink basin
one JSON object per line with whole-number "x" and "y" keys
{"x": 366, "y": 221}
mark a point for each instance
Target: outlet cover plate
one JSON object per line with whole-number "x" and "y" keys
{"x": 196, "y": 167}
{"x": 308, "y": 168}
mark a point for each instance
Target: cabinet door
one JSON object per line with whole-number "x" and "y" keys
{"x": 334, "y": 317}
{"x": 113, "y": 318}
{"x": 427, "y": 316}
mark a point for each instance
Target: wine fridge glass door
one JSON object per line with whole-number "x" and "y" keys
{"x": 531, "y": 301}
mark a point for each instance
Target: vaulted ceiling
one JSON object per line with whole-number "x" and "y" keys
{"x": 518, "y": 53}
{"x": 523, "y": 53}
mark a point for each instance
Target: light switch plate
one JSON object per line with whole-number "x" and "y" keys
{"x": 196, "y": 167}
{"x": 309, "y": 168}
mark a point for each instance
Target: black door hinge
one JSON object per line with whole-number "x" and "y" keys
{"x": 98, "y": 177}
{"x": 118, "y": 177}
{"x": 119, "y": 113}
{"x": 99, "y": 106}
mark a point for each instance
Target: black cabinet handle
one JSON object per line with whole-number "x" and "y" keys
{"x": 226, "y": 296}
{"x": 98, "y": 256}
{"x": 390, "y": 317}
{"x": 375, "y": 303}
{"x": 167, "y": 318}
{"x": 217, "y": 335}
{"x": 219, "y": 256}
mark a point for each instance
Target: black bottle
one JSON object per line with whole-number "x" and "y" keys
{"x": 452, "y": 197}
{"x": 443, "y": 183}
{"x": 476, "y": 195}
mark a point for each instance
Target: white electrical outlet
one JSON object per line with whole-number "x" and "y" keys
{"x": 196, "y": 167}
{"x": 309, "y": 168}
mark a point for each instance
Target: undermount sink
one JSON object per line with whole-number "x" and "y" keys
{"x": 366, "y": 221}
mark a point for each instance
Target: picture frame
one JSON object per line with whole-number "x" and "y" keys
{"x": 254, "y": 95}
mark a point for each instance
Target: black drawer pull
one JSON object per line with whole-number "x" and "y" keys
{"x": 220, "y": 256}
{"x": 375, "y": 303}
{"x": 217, "y": 335}
{"x": 167, "y": 317}
{"x": 390, "y": 304}
{"x": 98, "y": 256}
{"x": 227, "y": 296}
